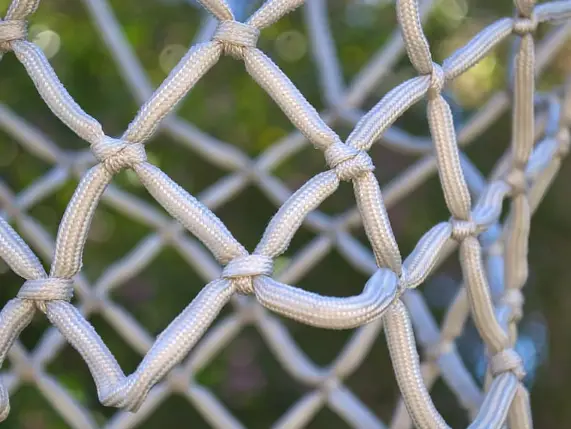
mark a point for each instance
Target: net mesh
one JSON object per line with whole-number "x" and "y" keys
{"x": 492, "y": 253}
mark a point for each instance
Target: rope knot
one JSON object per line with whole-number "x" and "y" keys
{"x": 514, "y": 299}
{"x": 524, "y": 25}
{"x": 517, "y": 180}
{"x": 115, "y": 154}
{"x": 402, "y": 281}
{"x": 242, "y": 269}
{"x": 48, "y": 289}
{"x": 462, "y": 229}
{"x": 235, "y": 37}
{"x": 11, "y": 30}
{"x": 437, "y": 81}
{"x": 330, "y": 384}
{"x": 507, "y": 360}
{"x": 348, "y": 162}
{"x": 564, "y": 139}
{"x": 434, "y": 351}
{"x": 178, "y": 380}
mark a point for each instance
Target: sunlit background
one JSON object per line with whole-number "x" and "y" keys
{"x": 228, "y": 105}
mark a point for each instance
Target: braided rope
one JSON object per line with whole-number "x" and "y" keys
{"x": 388, "y": 296}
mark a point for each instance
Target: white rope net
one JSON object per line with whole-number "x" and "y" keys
{"x": 493, "y": 254}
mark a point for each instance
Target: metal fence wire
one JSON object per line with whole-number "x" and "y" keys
{"x": 491, "y": 252}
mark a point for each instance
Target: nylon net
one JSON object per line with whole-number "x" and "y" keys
{"x": 492, "y": 252}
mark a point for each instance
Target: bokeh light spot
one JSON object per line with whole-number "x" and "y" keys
{"x": 291, "y": 46}
{"x": 170, "y": 56}
{"x": 47, "y": 40}
{"x": 473, "y": 86}
{"x": 451, "y": 13}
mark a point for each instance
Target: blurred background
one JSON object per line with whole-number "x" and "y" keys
{"x": 228, "y": 105}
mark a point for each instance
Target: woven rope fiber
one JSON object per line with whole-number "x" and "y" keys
{"x": 486, "y": 228}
